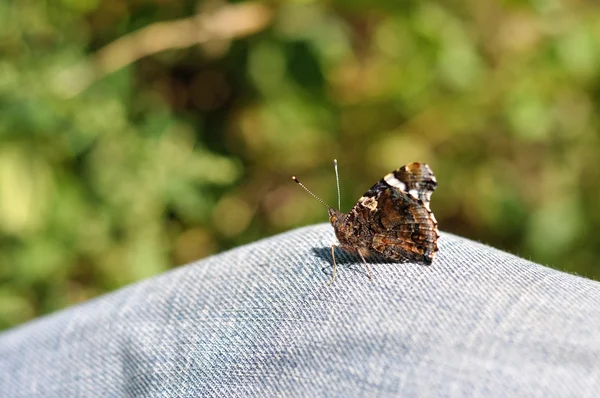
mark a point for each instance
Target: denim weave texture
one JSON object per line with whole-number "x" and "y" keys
{"x": 260, "y": 320}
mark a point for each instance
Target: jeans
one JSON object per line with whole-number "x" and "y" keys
{"x": 260, "y": 320}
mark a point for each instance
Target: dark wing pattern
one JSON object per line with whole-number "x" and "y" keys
{"x": 396, "y": 214}
{"x": 418, "y": 180}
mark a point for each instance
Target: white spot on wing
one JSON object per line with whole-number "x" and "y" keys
{"x": 368, "y": 202}
{"x": 428, "y": 196}
{"x": 414, "y": 193}
{"x": 394, "y": 182}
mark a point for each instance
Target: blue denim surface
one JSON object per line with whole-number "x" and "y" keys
{"x": 261, "y": 321}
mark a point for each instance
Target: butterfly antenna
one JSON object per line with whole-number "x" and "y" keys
{"x": 308, "y": 190}
{"x": 337, "y": 181}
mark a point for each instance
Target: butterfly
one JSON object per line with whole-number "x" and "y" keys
{"x": 393, "y": 219}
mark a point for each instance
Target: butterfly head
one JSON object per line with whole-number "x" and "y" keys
{"x": 336, "y": 217}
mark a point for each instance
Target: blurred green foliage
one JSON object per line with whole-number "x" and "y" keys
{"x": 137, "y": 136}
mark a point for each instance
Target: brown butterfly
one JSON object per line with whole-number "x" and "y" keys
{"x": 393, "y": 219}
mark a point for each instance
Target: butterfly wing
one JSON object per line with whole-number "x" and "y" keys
{"x": 416, "y": 179}
{"x": 396, "y": 214}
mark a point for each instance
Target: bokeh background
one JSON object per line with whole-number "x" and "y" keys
{"x": 136, "y": 136}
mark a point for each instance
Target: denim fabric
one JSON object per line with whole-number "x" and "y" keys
{"x": 260, "y": 320}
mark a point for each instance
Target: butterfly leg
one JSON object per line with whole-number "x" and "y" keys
{"x": 334, "y": 264}
{"x": 366, "y": 265}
